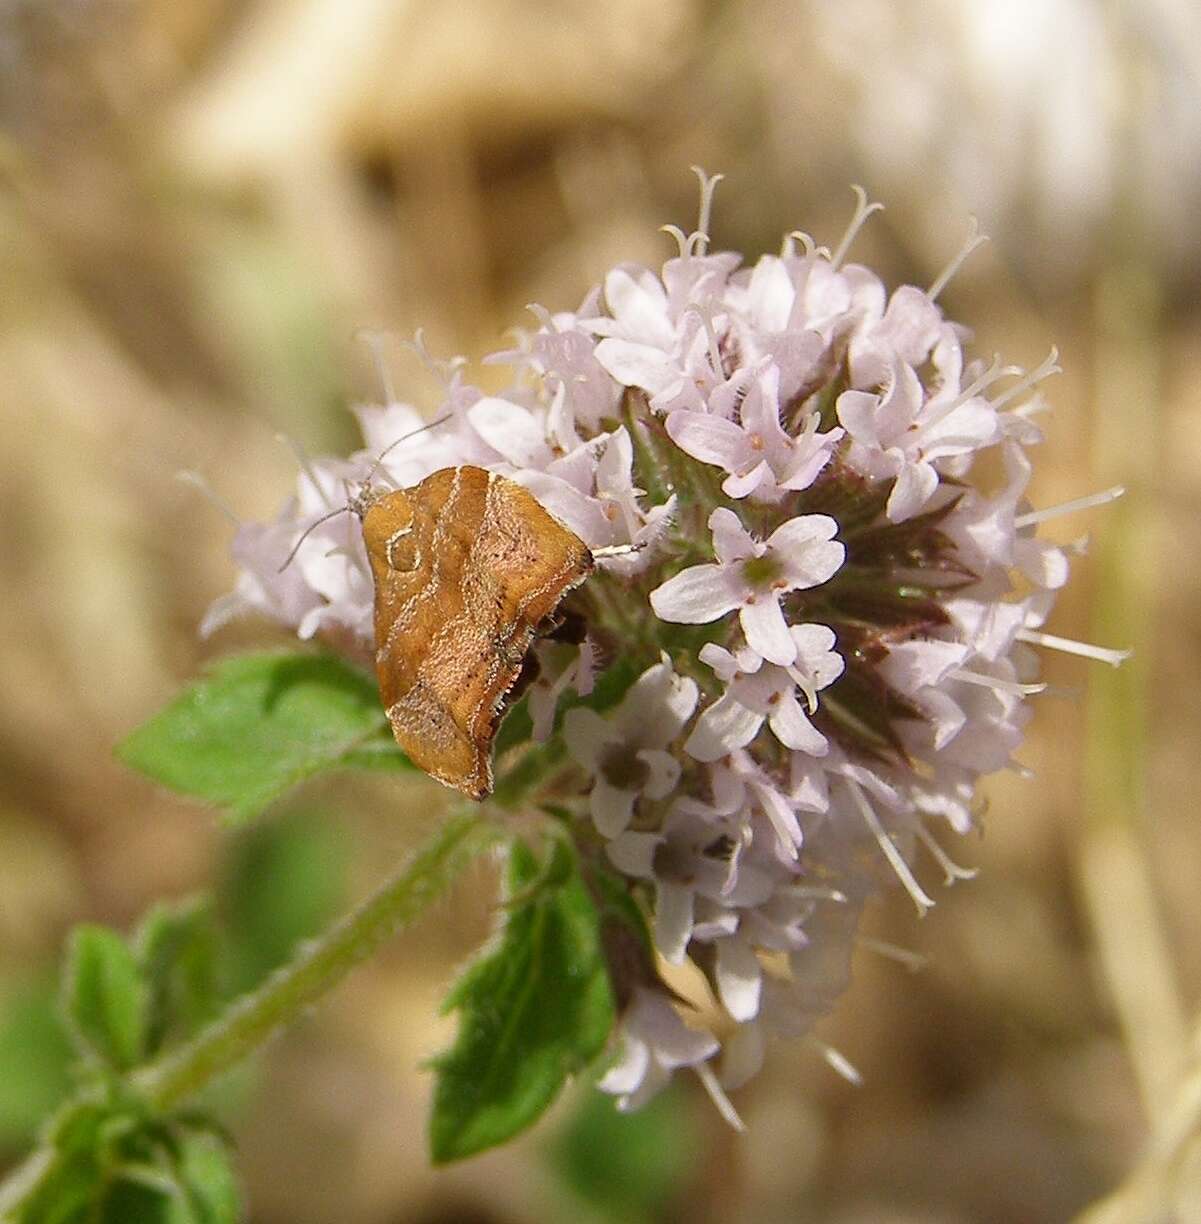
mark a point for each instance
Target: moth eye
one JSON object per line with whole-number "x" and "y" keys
{"x": 402, "y": 550}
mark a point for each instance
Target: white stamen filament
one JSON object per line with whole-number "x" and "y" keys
{"x": 1115, "y": 658}
{"x": 1070, "y": 507}
{"x": 714, "y": 349}
{"x": 375, "y": 341}
{"x": 915, "y": 962}
{"x": 895, "y": 859}
{"x": 863, "y": 210}
{"x": 305, "y": 464}
{"x": 718, "y": 1096}
{"x": 974, "y": 239}
{"x": 994, "y": 682}
{"x": 444, "y": 371}
{"x": 708, "y": 187}
{"x": 1049, "y": 365}
{"x": 814, "y": 892}
{"x": 683, "y": 240}
{"x": 1034, "y": 406}
{"x": 951, "y": 870}
{"x": 197, "y": 481}
{"x": 838, "y": 1061}
{"x": 994, "y": 372}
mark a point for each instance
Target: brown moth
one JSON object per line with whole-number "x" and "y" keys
{"x": 467, "y": 565}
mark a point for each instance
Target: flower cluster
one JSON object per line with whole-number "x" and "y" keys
{"x": 827, "y": 627}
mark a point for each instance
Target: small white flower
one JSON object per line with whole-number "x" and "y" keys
{"x": 654, "y": 1043}
{"x": 751, "y": 575}
{"x": 625, "y": 752}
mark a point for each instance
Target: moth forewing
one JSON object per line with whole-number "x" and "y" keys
{"x": 467, "y": 565}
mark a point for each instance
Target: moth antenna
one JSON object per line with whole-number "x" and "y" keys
{"x": 304, "y": 535}
{"x": 403, "y": 438}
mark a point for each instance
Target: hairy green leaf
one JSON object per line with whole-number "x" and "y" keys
{"x": 105, "y": 997}
{"x": 533, "y": 1009}
{"x": 258, "y": 724}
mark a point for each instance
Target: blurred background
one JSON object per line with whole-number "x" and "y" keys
{"x": 203, "y": 201}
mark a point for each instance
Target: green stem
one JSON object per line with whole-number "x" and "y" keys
{"x": 251, "y": 1020}
{"x": 321, "y": 964}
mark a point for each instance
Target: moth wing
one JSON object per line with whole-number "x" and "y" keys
{"x": 494, "y": 565}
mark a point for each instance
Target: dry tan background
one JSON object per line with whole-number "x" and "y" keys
{"x": 201, "y": 201}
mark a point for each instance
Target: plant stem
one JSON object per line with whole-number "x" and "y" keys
{"x": 320, "y": 965}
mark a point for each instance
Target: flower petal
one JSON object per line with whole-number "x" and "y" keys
{"x": 587, "y": 734}
{"x": 739, "y": 978}
{"x": 731, "y": 540}
{"x": 766, "y": 630}
{"x": 794, "y": 730}
{"x": 611, "y": 808}
{"x": 673, "y": 920}
{"x": 724, "y": 727}
{"x": 711, "y": 439}
{"x": 695, "y": 596}
{"x": 637, "y": 365}
{"x": 664, "y": 772}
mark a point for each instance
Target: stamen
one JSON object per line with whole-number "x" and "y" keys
{"x": 974, "y": 239}
{"x": 718, "y": 1096}
{"x": 708, "y": 187}
{"x": 895, "y": 859}
{"x": 951, "y": 870}
{"x": 304, "y": 463}
{"x": 994, "y": 682}
{"x": 1049, "y": 365}
{"x": 994, "y": 372}
{"x": 863, "y": 210}
{"x": 815, "y": 892}
{"x": 811, "y": 247}
{"x": 1115, "y": 658}
{"x": 915, "y": 962}
{"x": 443, "y": 370}
{"x": 838, "y": 1061}
{"x": 197, "y": 481}
{"x": 683, "y": 240}
{"x": 375, "y": 339}
{"x": 1070, "y": 507}
{"x": 706, "y": 319}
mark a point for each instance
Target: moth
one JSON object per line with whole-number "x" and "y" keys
{"x": 468, "y": 567}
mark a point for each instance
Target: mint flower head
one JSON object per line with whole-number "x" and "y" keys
{"x": 808, "y": 636}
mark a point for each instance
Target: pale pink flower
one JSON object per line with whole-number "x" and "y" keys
{"x": 764, "y": 460}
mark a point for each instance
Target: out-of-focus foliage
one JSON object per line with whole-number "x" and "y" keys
{"x": 200, "y": 205}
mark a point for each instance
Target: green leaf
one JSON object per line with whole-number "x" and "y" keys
{"x": 206, "y": 1179}
{"x": 177, "y": 948}
{"x": 35, "y": 1054}
{"x": 532, "y": 1010}
{"x": 105, "y": 997}
{"x": 258, "y": 724}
